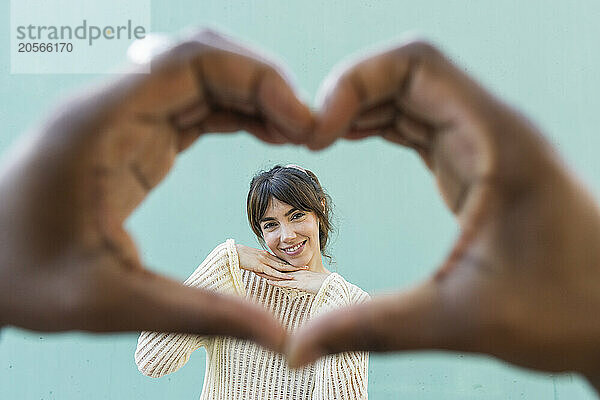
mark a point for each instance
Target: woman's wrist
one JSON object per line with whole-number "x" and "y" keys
{"x": 243, "y": 257}
{"x": 238, "y": 249}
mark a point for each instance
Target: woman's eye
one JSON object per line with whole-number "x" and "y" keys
{"x": 269, "y": 225}
{"x": 298, "y": 215}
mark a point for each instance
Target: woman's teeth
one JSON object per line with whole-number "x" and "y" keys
{"x": 293, "y": 249}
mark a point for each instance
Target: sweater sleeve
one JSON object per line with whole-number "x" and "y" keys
{"x": 157, "y": 353}
{"x": 341, "y": 376}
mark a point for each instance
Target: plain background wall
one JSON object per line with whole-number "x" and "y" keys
{"x": 393, "y": 229}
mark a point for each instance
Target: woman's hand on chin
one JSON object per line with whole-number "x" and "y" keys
{"x": 308, "y": 281}
{"x": 265, "y": 264}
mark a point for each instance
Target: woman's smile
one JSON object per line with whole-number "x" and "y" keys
{"x": 294, "y": 250}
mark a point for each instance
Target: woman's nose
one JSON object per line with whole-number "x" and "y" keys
{"x": 287, "y": 233}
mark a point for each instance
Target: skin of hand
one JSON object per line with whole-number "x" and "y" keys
{"x": 307, "y": 281}
{"x": 265, "y": 264}
{"x": 522, "y": 282}
{"x": 66, "y": 262}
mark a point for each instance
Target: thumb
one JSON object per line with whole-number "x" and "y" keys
{"x": 142, "y": 300}
{"x": 404, "y": 321}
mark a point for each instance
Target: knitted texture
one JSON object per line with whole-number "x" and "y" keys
{"x": 240, "y": 369}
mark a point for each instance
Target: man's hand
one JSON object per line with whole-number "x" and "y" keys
{"x": 66, "y": 261}
{"x": 523, "y": 279}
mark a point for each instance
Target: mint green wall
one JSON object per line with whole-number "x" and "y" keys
{"x": 393, "y": 230}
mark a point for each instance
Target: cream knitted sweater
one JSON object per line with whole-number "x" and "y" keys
{"x": 240, "y": 369}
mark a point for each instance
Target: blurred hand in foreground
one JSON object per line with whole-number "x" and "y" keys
{"x": 66, "y": 261}
{"x": 522, "y": 282}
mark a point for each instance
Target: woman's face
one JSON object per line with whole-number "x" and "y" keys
{"x": 292, "y": 234}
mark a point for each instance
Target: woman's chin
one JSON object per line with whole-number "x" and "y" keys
{"x": 296, "y": 262}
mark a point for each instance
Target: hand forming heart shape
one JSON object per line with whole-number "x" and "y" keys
{"x": 522, "y": 282}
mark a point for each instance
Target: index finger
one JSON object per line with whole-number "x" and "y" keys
{"x": 235, "y": 77}
{"x": 414, "y": 78}
{"x": 351, "y": 87}
{"x": 414, "y": 95}
{"x": 406, "y": 321}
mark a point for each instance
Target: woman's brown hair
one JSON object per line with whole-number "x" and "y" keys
{"x": 295, "y": 186}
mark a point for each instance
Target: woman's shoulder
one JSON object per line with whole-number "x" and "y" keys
{"x": 219, "y": 258}
{"x": 219, "y": 254}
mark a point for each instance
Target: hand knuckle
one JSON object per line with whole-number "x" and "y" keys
{"x": 185, "y": 49}
{"x": 421, "y": 49}
{"x": 209, "y": 35}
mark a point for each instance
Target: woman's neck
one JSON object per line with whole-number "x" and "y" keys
{"x": 316, "y": 265}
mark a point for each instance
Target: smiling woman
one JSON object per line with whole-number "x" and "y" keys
{"x": 290, "y": 191}
{"x": 289, "y": 212}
